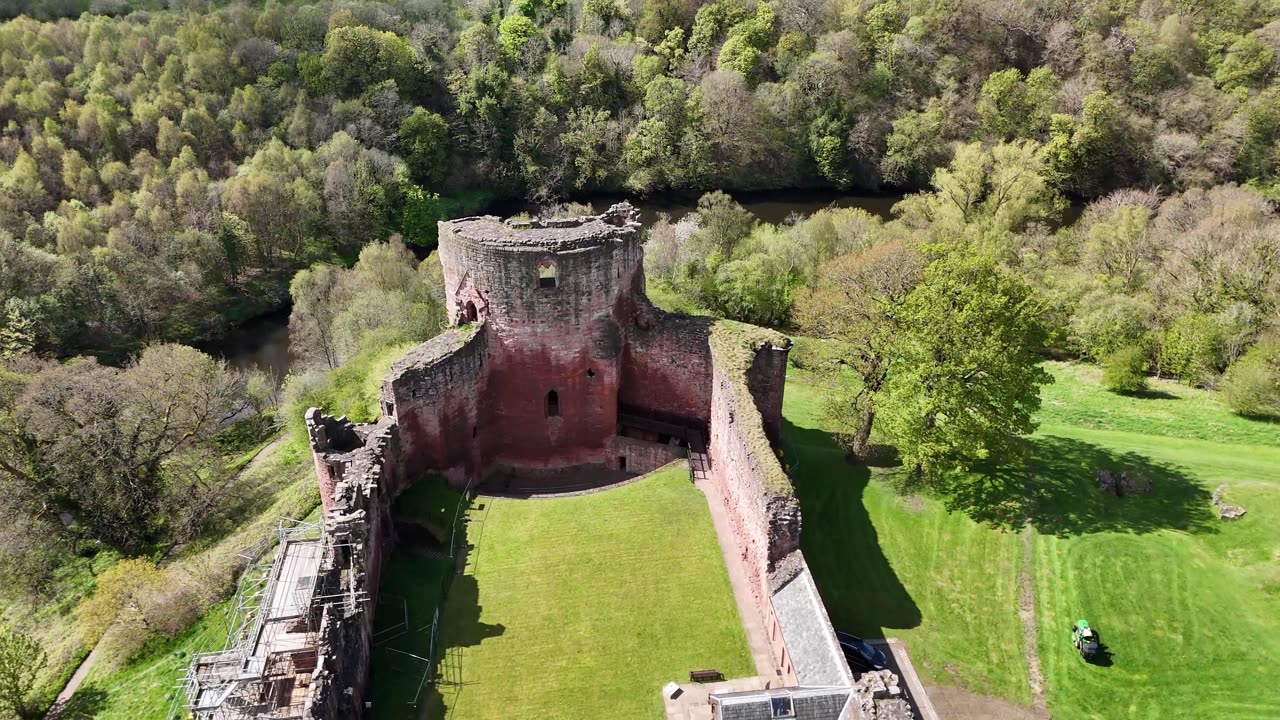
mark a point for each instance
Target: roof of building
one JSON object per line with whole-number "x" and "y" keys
{"x": 557, "y": 234}
{"x": 805, "y": 703}
{"x": 811, "y": 643}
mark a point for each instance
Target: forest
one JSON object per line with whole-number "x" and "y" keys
{"x": 1088, "y": 179}
{"x": 165, "y": 167}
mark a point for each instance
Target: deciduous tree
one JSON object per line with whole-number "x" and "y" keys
{"x": 965, "y": 380}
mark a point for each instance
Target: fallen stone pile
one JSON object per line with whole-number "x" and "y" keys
{"x": 880, "y": 696}
{"x": 1226, "y": 511}
{"x": 1123, "y": 483}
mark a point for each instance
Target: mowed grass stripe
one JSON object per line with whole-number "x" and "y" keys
{"x": 600, "y": 600}
{"x": 907, "y": 568}
{"x": 1189, "y": 604}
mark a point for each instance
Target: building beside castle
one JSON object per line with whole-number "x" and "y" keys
{"x": 556, "y": 373}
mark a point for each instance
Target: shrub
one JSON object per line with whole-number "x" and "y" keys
{"x": 1125, "y": 370}
{"x": 1252, "y": 383}
{"x": 1191, "y": 348}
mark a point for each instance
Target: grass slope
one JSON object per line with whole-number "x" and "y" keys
{"x": 582, "y": 607}
{"x": 1189, "y": 606}
{"x": 414, "y": 579}
{"x": 907, "y": 568}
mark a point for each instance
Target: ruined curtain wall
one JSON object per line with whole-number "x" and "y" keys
{"x": 357, "y": 531}
{"x": 434, "y": 394}
{"x": 745, "y": 472}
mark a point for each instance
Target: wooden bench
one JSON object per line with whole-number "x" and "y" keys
{"x": 706, "y": 676}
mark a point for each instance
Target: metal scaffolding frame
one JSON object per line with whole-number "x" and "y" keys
{"x": 275, "y": 618}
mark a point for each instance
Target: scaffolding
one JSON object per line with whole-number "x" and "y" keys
{"x": 264, "y": 669}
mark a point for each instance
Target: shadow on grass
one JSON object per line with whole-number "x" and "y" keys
{"x": 1149, "y": 394}
{"x": 420, "y": 574}
{"x": 430, "y": 501}
{"x": 1057, "y": 491}
{"x": 862, "y": 592}
{"x": 87, "y": 702}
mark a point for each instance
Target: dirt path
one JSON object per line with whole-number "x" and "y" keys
{"x": 82, "y": 672}
{"x": 77, "y": 678}
{"x": 1027, "y": 613}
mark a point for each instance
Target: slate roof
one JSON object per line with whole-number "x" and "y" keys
{"x": 805, "y": 703}
{"x": 811, "y": 643}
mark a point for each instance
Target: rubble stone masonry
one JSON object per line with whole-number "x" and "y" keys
{"x": 552, "y": 341}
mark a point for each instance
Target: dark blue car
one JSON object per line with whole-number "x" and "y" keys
{"x": 860, "y": 654}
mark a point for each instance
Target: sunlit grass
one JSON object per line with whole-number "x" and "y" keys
{"x": 583, "y": 607}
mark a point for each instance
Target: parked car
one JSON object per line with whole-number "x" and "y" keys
{"x": 860, "y": 654}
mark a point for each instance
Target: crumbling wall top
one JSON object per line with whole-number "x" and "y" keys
{"x": 618, "y": 222}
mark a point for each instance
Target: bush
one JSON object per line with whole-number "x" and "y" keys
{"x": 1191, "y": 348}
{"x": 1125, "y": 370}
{"x": 1252, "y": 383}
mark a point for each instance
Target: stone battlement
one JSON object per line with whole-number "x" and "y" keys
{"x": 557, "y": 362}
{"x": 616, "y": 224}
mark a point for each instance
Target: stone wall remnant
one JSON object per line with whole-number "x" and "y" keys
{"x": 556, "y": 360}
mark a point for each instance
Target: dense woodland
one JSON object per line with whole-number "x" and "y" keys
{"x": 169, "y": 168}
{"x": 164, "y": 172}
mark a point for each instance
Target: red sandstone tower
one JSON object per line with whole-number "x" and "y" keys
{"x": 556, "y": 297}
{"x": 556, "y": 365}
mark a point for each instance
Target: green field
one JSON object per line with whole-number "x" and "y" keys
{"x": 415, "y": 578}
{"x": 584, "y": 606}
{"x": 1188, "y": 605}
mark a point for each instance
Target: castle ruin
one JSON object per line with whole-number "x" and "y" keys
{"x": 557, "y": 372}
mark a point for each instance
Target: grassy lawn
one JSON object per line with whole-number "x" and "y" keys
{"x": 905, "y": 567}
{"x": 1188, "y": 606}
{"x": 583, "y": 607}
{"x": 414, "y": 579}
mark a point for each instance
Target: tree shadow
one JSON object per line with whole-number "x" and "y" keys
{"x": 1149, "y": 394}
{"x": 1056, "y": 490}
{"x": 86, "y": 703}
{"x": 862, "y": 592}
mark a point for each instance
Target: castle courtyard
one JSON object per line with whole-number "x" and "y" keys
{"x": 584, "y": 606}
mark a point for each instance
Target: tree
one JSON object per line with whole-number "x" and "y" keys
{"x": 17, "y": 332}
{"x": 1251, "y": 386}
{"x": 1002, "y": 190}
{"x": 99, "y": 442}
{"x": 965, "y": 380}
{"x": 1248, "y": 60}
{"x": 1097, "y": 153}
{"x": 755, "y": 289}
{"x": 21, "y": 660}
{"x": 669, "y": 148}
{"x": 722, "y": 222}
{"x": 657, "y": 17}
{"x": 607, "y": 17}
{"x": 1011, "y": 107}
{"x": 358, "y": 57}
{"x": 857, "y": 300}
{"x": 514, "y": 32}
{"x": 423, "y": 137}
{"x": 1121, "y": 245}
{"x": 1191, "y": 348}
{"x": 318, "y": 293}
{"x": 1125, "y": 370}
{"x": 915, "y": 147}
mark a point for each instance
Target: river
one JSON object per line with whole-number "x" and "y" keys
{"x": 263, "y": 343}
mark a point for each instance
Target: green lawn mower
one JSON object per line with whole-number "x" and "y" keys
{"x": 1085, "y": 639}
